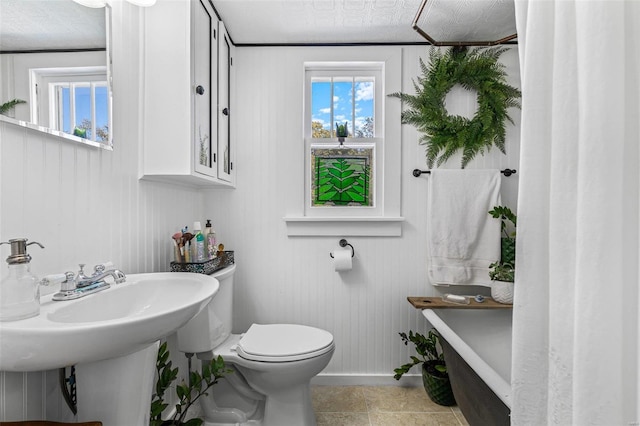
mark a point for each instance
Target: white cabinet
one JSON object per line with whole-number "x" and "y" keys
{"x": 188, "y": 89}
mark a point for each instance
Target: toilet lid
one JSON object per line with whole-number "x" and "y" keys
{"x": 283, "y": 342}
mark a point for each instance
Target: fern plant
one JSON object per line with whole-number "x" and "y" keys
{"x": 443, "y": 134}
{"x": 8, "y": 106}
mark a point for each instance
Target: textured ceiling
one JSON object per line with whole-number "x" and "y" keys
{"x": 63, "y": 24}
{"x": 50, "y": 24}
{"x": 364, "y": 21}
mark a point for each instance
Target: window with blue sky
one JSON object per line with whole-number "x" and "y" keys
{"x": 343, "y": 171}
{"x": 82, "y": 109}
{"x": 346, "y": 101}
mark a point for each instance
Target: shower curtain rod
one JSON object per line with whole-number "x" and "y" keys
{"x": 506, "y": 172}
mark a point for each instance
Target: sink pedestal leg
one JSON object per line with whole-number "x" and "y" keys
{"x": 117, "y": 391}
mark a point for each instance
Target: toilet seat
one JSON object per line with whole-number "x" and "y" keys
{"x": 283, "y": 343}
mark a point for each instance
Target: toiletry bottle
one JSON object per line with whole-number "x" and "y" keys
{"x": 210, "y": 240}
{"x": 19, "y": 289}
{"x": 199, "y": 243}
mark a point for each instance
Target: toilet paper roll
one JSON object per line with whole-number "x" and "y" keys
{"x": 342, "y": 260}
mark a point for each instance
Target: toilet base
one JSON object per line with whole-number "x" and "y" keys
{"x": 288, "y": 407}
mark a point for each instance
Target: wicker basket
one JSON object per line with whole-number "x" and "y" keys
{"x": 206, "y": 267}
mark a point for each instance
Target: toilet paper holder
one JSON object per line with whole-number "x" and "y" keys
{"x": 344, "y": 243}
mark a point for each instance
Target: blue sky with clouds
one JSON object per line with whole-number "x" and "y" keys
{"x": 83, "y": 106}
{"x": 346, "y": 92}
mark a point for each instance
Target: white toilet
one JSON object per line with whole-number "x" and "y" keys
{"x": 273, "y": 364}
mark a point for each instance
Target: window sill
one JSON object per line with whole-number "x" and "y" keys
{"x": 304, "y": 226}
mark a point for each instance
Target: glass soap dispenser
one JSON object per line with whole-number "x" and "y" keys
{"x": 19, "y": 289}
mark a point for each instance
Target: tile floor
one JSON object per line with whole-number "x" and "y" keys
{"x": 380, "y": 406}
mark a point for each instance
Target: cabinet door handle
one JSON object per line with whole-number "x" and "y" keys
{"x": 200, "y": 90}
{"x": 225, "y": 111}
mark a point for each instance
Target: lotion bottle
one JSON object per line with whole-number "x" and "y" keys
{"x": 210, "y": 240}
{"x": 199, "y": 255}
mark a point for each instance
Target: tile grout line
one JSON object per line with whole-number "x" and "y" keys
{"x": 366, "y": 404}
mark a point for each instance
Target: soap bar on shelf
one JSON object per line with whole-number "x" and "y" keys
{"x": 454, "y": 298}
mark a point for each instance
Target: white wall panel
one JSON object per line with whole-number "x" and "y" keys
{"x": 87, "y": 205}
{"x": 281, "y": 279}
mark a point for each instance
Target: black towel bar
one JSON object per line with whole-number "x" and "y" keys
{"x": 506, "y": 172}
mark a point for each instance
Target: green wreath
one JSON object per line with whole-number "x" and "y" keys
{"x": 443, "y": 134}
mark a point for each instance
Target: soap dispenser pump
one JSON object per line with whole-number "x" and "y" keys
{"x": 19, "y": 289}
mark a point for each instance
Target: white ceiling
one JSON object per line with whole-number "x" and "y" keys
{"x": 63, "y": 24}
{"x": 364, "y": 21}
{"x": 50, "y": 24}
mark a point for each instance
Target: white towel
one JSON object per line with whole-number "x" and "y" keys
{"x": 463, "y": 239}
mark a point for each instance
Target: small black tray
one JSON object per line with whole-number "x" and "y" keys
{"x": 205, "y": 267}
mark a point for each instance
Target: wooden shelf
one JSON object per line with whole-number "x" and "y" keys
{"x": 438, "y": 303}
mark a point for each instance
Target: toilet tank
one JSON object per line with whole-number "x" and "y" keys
{"x": 213, "y": 324}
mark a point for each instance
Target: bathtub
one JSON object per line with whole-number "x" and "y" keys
{"x": 477, "y": 350}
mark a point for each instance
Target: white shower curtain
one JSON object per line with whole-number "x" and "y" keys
{"x": 576, "y": 318}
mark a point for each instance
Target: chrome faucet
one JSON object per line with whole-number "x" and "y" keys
{"x": 78, "y": 285}
{"x": 99, "y": 274}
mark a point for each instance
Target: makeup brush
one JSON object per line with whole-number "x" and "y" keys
{"x": 187, "y": 237}
{"x": 177, "y": 237}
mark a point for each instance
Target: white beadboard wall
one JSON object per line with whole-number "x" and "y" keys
{"x": 291, "y": 279}
{"x": 86, "y": 205}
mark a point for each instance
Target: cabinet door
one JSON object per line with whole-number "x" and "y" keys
{"x": 225, "y": 108}
{"x": 204, "y": 69}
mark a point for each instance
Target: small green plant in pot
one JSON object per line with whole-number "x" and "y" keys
{"x": 187, "y": 394}
{"x": 508, "y": 240}
{"x": 502, "y": 273}
{"x": 342, "y": 130}
{"x": 435, "y": 377}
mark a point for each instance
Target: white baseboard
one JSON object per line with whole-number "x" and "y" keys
{"x": 408, "y": 380}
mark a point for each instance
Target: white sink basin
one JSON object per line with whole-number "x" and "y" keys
{"x": 112, "y": 323}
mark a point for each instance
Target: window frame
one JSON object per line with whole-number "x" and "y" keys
{"x": 385, "y": 220}
{"x": 44, "y": 103}
{"x": 339, "y": 70}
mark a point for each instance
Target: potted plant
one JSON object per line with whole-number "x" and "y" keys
{"x": 342, "y": 131}
{"x": 187, "y": 394}
{"x": 508, "y": 240}
{"x": 434, "y": 370}
{"x": 502, "y": 273}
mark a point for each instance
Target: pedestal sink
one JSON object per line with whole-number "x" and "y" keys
{"x": 110, "y": 336}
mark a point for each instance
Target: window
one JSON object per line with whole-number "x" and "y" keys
{"x": 342, "y": 101}
{"x": 351, "y": 146}
{"x": 341, "y": 127}
{"x": 80, "y": 109}
{"x": 73, "y": 100}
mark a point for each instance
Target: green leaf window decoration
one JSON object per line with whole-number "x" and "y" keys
{"x": 342, "y": 177}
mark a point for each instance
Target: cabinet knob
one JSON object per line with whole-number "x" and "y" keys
{"x": 200, "y": 90}
{"x": 225, "y": 111}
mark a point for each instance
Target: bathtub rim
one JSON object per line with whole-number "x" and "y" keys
{"x": 500, "y": 387}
